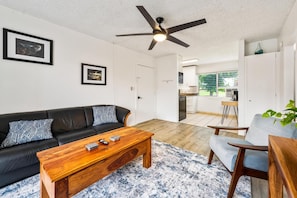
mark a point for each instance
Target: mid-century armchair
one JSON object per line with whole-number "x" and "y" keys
{"x": 247, "y": 156}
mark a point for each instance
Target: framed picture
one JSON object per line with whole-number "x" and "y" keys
{"x": 93, "y": 75}
{"x": 25, "y": 47}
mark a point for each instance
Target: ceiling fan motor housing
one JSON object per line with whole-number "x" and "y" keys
{"x": 159, "y": 20}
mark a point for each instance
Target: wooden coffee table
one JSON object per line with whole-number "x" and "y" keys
{"x": 65, "y": 170}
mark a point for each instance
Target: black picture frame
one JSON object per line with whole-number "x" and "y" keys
{"x": 19, "y": 46}
{"x": 93, "y": 74}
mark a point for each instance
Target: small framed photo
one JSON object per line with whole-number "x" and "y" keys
{"x": 28, "y": 48}
{"x": 93, "y": 74}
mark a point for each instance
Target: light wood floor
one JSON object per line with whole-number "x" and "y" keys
{"x": 189, "y": 135}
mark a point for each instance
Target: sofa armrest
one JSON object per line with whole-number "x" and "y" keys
{"x": 122, "y": 114}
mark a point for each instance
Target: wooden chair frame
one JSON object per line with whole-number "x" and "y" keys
{"x": 239, "y": 169}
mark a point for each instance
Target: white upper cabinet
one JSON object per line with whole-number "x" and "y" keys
{"x": 190, "y": 76}
{"x": 260, "y": 84}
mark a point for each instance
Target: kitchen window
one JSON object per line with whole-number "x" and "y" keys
{"x": 220, "y": 84}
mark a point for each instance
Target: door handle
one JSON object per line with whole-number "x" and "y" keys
{"x": 139, "y": 97}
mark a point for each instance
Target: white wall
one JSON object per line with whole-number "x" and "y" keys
{"x": 288, "y": 38}
{"x": 167, "y": 88}
{"x": 125, "y": 78}
{"x": 288, "y": 35}
{"x": 288, "y": 68}
{"x": 213, "y": 104}
{"x": 241, "y": 82}
{"x": 30, "y": 86}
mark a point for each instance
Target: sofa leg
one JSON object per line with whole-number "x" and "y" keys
{"x": 210, "y": 157}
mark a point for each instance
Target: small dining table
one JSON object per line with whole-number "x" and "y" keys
{"x": 226, "y": 109}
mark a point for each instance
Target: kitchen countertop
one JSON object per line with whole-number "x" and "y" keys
{"x": 189, "y": 94}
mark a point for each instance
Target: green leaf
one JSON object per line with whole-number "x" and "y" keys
{"x": 289, "y": 115}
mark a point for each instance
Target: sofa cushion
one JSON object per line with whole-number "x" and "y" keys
{"x": 67, "y": 119}
{"x": 64, "y": 138}
{"x": 228, "y": 154}
{"x": 23, "y": 155}
{"x": 7, "y": 118}
{"x": 104, "y": 114}
{"x": 107, "y": 127}
{"x": 24, "y": 131}
{"x": 18, "y": 174}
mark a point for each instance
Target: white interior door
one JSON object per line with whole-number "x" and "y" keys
{"x": 260, "y": 84}
{"x": 145, "y": 94}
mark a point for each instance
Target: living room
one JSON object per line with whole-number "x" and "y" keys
{"x": 27, "y": 86}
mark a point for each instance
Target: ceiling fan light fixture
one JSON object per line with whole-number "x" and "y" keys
{"x": 159, "y": 37}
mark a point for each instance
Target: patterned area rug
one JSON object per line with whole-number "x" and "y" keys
{"x": 174, "y": 173}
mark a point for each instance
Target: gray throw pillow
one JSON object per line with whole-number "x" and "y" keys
{"x": 24, "y": 131}
{"x": 104, "y": 114}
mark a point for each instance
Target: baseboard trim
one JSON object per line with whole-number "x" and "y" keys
{"x": 216, "y": 114}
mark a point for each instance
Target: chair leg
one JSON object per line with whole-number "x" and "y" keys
{"x": 237, "y": 173}
{"x": 210, "y": 157}
{"x": 233, "y": 183}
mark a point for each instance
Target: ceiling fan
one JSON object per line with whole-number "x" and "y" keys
{"x": 159, "y": 33}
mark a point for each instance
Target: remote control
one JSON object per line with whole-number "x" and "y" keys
{"x": 103, "y": 142}
{"x": 115, "y": 138}
{"x": 91, "y": 146}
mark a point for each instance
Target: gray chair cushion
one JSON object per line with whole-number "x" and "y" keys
{"x": 261, "y": 128}
{"x": 228, "y": 154}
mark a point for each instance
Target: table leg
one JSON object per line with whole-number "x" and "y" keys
{"x": 223, "y": 115}
{"x": 57, "y": 189}
{"x": 147, "y": 156}
{"x": 275, "y": 181}
{"x": 236, "y": 112}
{"x": 226, "y": 110}
{"x": 43, "y": 192}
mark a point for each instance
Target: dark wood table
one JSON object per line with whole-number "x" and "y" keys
{"x": 282, "y": 166}
{"x": 65, "y": 170}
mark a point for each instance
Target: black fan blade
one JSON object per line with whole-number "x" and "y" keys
{"x": 185, "y": 26}
{"x": 153, "y": 43}
{"x": 147, "y": 16}
{"x": 177, "y": 41}
{"x": 136, "y": 34}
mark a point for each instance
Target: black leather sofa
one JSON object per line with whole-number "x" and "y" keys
{"x": 69, "y": 124}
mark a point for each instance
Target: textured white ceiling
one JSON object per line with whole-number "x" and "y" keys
{"x": 228, "y": 21}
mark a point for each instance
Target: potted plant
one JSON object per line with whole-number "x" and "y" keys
{"x": 288, "y": 116}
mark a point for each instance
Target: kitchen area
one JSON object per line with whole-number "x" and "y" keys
{"x": 188, "y": 91}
